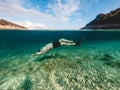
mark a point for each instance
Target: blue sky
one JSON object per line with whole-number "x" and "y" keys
{"x": 54, "y": 14}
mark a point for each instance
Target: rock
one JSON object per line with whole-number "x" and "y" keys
{"x": 8, "y": 25}
{"x": 105, "y": 21}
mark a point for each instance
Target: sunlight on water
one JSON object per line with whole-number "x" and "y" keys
{"x": 95, "y": 65}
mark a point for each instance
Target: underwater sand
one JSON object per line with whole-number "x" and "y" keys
{"x": 95, "y": 65}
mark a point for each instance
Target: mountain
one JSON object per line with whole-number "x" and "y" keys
{"x": 9, "y": 25}
{"x": 105, "y": 21}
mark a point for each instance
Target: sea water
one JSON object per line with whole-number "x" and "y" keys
{"x": 94, "y": 65}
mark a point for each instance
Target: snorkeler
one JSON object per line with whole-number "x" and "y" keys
{"x": 58, "y": 43}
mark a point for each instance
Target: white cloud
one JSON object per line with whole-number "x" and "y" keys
{"x": 35, "y": 19}
{"x": 17, "y": 12}
{"x": 63, "y": 11}
{"x": 32, "y": 25}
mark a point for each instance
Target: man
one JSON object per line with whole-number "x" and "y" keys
{"x": 58, "y": 43}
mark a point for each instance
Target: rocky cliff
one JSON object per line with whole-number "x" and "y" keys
{"x": 105, "y": 21}
{"x": 8, "y": 25}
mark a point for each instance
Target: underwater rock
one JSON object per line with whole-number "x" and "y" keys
{"x": 115, "y": 64}
{"x": 27, "y": 84}
{"x": 109, "y": 60}
{"x": 107, "y": 57}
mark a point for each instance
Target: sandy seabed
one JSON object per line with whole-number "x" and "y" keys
{"x": 93, "y": 66}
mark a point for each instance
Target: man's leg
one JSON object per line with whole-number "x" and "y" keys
{"x": 65, "y": 40}
{"x": 68, "y": 43}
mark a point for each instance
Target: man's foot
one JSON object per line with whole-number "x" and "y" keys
{"x": 78, "y": 43}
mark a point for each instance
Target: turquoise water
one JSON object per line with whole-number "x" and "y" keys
{"x": 95, "y": 65}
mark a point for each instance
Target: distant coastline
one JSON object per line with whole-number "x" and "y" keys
{"x": 105, "y": 21}
{"x": 6, "y": 25}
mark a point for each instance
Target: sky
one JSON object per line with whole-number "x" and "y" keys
{"x": 54, "y": 14}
